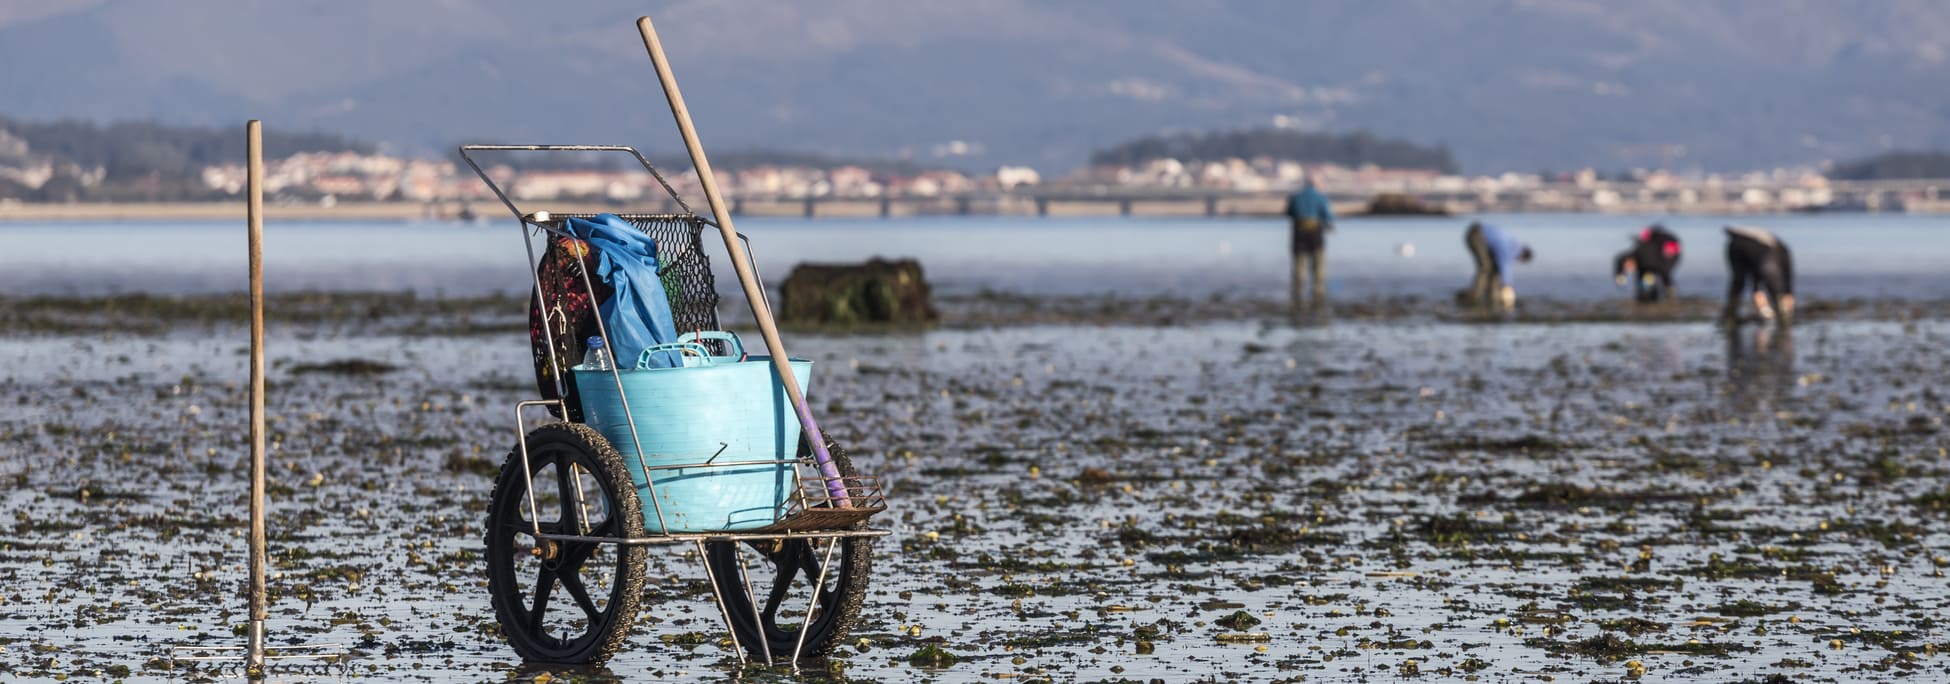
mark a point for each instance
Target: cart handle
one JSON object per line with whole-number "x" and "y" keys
{"x": 503, "y": 196}
{"x": 730, "y": 339}
{"x": 685, "y": 348}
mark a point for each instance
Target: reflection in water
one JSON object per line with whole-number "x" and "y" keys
{"x": 1311, "y": 314}
{"x": 541, "y": 672}
{"x": 1655, "y": 354}
{"x": 1760, "y": 367}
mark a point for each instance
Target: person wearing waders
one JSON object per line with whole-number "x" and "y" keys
{"x": 1312, "y": 217}
{"x": 1494, "y": 251}
{"x": 1758, "y": 259}
{"x": 1649, "y": 264}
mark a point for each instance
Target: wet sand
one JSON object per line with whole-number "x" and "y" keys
{"x": 1083, "y": 489}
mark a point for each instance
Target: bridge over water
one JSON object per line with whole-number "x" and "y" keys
{"x": 1914, "y": 196}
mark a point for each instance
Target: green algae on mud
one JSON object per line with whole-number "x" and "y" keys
{"x": 345, "y": 367}
{"x": 405, "y": 312}
{"x": 324, "y": 312}
{"x": 1078, "y": 502}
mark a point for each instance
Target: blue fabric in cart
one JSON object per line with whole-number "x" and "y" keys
{"x": 637, "y": 315}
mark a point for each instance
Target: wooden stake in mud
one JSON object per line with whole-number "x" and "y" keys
{"x": 254, "y": 151}
{"x": 753, "y": 292}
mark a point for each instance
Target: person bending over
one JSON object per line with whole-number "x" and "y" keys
{"x": 1758, "y": 259}
{"x": 1649, "y": 264}
{"x": 1494, "y": 251}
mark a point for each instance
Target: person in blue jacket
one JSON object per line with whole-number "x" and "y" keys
{"x": 1312, "y": 216}
{"x": 1494, "y": 251}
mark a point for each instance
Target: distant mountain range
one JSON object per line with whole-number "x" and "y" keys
{"x": 1504, "y": 84}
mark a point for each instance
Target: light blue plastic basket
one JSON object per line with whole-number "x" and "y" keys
{"x": 723, "y": 409}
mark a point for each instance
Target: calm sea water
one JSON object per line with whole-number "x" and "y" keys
{"x": 1836, "y": 255}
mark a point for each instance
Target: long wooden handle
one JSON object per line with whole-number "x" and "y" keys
{"x": 753, "y": 292}
{"x": 254, "y": 210}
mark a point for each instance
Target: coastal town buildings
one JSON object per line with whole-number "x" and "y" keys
{"x": 353, "y": 177}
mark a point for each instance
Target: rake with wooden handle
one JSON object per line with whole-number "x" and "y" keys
{"x": 754, "y": 292}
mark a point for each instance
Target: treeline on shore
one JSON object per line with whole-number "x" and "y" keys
{"x": 727, "y": 160}
{"x": 137, "y": 147}
{"x": 1355, "y": 149}
{"x": 135, "y": 161}
{"x": 73, "y": 160}
{"x": 1896, "y": 165}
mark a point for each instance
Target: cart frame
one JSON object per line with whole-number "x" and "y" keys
{"x": 822, "y": 506}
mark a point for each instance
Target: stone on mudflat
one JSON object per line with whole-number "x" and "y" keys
{"x": 878, "y": 291}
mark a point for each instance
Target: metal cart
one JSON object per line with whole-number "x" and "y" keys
{"x": 567, "y": 528}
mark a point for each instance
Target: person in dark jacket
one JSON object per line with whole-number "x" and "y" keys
{"x": 1312, "y": 216}
{"x": 1759, "y": 260}
{"x": 1495, "y": 251}
{"x": 1649, "y": 264}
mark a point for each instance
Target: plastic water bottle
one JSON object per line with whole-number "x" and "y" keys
{"x": 597, "y": 358}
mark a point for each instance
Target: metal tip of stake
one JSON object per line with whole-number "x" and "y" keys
{"x": 255, "y": 657}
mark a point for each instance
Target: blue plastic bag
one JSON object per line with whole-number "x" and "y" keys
{"x": 637, "y": 315}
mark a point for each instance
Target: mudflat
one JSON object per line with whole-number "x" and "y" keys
{"x": 1081, "y": 489}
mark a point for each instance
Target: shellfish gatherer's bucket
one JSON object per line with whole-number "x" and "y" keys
{"x": 718, "y": 437}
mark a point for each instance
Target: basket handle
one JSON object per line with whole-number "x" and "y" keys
{"x": 730, "y": 339}
{"x": 685, "y": 348}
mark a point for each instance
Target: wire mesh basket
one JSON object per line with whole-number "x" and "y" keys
{"x": 813, "y": 505}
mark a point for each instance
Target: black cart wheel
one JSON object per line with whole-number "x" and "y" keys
{"x": 782, "y": 576}
{"x": 565, "y": 601}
